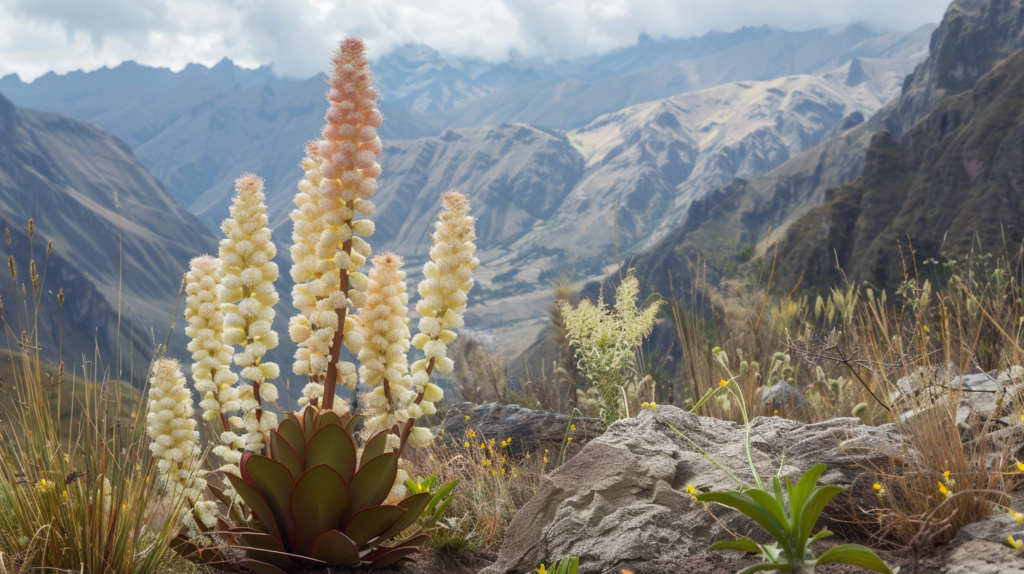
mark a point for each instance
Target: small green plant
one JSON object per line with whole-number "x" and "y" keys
{"x": 607, "y": 342}
{"x": 567, "y": 565}
{"x": 791, "y": 528}
{"x": 440, "y": 498}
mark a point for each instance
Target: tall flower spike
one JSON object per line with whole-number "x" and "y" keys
{"x": 175, "y": 439}
{"x": 341, "y": 173}
{"x": 444, "y": 291}
{"x": 211, "y": 358}
{"x": 247, "y": 299}
{"x": 385, "y": 334}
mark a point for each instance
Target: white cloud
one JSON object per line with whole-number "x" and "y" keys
{"x": 296, "y": 36}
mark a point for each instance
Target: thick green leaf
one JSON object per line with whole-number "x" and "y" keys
{"x": 291, "y": 430}
{"x": 260, "y": 567}
{"x": 747, "y": 505}
{"x": 350, "y": 426}
{"x": 819, "y": 536}
{"x": 416, "y": 541}
{"x": 766, "y": 566}
{"x": 309, "y": 422}
{"x": 328, "y": 418}
{"x": 257, "y": 503}
{"x": 335, "y": 549}
{"x": 567, "y": 565}
{"x": 318, "y": 502}
{"x": 275, "y": 483}
{"x": 740, "y": 544}
{"x": 372, "y": 484}
{"x": 281, "y": 451}
{"x": 219, "y": 494}
{"x": 773, "y": 506}
{"x": 374, "y": 448}
{"x": 441, "y": 493}
{"x": 856, "y": 555}
{"x": 414, "y": 507}
{"x": 333, "y": 446}
{"x": 802, "y": 491}
{"x": 266, "y": 548}
{"x": 812, "y": 509}
{"x": 392, "y": 557}
{"x": 370, "y": 523}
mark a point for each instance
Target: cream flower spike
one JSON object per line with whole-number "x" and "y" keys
{"x": 247, "y": 299}
{"x": 340, "y": 174}
{"x": 211, "y": 367}
{"x": 175, "y": 439}
{"x": 385, "y": 334}
{"x": 448, "y": 277}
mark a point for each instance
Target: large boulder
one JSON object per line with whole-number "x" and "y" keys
{"x": 531, "y": 431}
{"x": 622, "y": 500}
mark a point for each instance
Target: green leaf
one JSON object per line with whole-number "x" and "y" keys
{"x": 804, "y": 487}
{"x": 328, "y": 418}
{"x": 766, "y": 566}
{"x": 266, "y": 548}
{"x": 773, "y": 506}
{"x": 335, "y": 549}
{"x": 257, "y": 503}
{"x": 275, "y": 483}
{"x": 309, "y": 422}
{"x": 318, "y": 502}
{"x": 777, "y": 491}
{"x": 747, "y": 505}
{"x": 816, "y": 502}
{"x": 260, "y": 567}
{"x": 281, "y": 451}
{"x": 371, "y": 522}
{"x": 350, "y": 426}
{"x": 392, "y": 557}
{"x": 374, "y": 447}
{"x": 740, "y": 544}
{"x": 819, "y": 536}
{"x": 292, "y": 432}
{"x": 567, "y": 565}
{"x": 372, "y": 483}
{"x": 414, "y": 506}
{"x": 332, "y": 446}
{"x": 856, "y": 555}
{"x": 441, "y": 493}
{"x": 416, "y": 541}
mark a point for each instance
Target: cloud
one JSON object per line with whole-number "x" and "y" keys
{"x": 296, "y": 36}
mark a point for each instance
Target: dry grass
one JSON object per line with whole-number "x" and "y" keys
{"x": 493, "y": 486}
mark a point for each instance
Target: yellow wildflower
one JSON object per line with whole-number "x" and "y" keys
{"x": 943, "y": 490}
{"x": 541, "y": 569}
{"x": 949, "y": 481}
{"x": 466, "y": 444}
{"x": 483, "y": 446}
{"x": 1016, "y": 544}
{"x": 569, "y": 439}
{"x": 485, "y": 462}
{"x": 471, "y": 433}
{"x": 45, "y": 485}
{"x": 722, "y": 383}
{"x": 1017, "y": 516}
{"x": 64, "y": 494}
{"x": 572, "y": 428}
{"x": 879, "y": 489}
{"x": 692, "y": 492}
{"x": 1020, "y": 466}
{"x": 467, "y": 417}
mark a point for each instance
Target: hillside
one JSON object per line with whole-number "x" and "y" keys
{"x": 952, "y": 184}
{"x": 87, "y": 193}
{"x": 746, "y": 211}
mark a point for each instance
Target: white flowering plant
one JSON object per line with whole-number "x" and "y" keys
{"x": 277, "y": 472}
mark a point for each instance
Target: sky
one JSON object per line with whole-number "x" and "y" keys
{"x": 296, "y": 37}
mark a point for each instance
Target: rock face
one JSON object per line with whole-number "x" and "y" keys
{"x": 950, "y": 185}
{"x": 622, "y": 499}
{"x": 531, "y": 431}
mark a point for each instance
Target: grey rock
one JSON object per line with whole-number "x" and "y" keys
{"x": 530, "y": 430}
{"x": 993, "y": 528}
{"x": 984, "y": 557}
{"x": 783, "y": 398}
{"x": 623, "y": 498}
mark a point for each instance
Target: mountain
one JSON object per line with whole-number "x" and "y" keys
{"x": 969, "y": 41}
{"x": 88, "y": 194}
{"x": 951, "y": 184}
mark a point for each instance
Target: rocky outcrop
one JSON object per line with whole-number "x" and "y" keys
{"x": 951, "y": 185}
{"x": 622, "y": 499}
{"x": 531, "y": 431}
